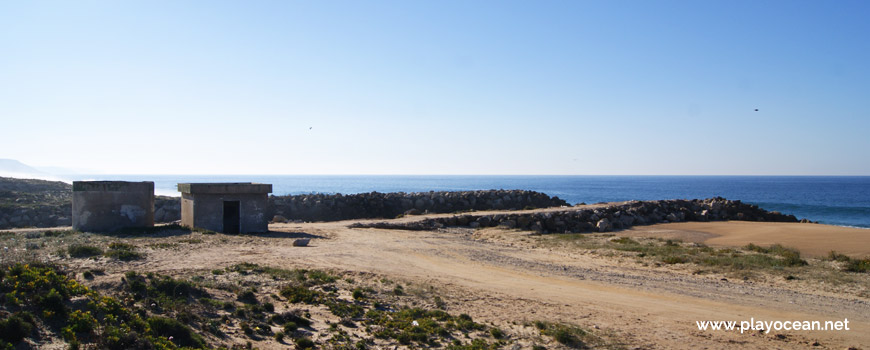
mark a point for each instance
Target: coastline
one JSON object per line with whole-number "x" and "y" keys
{"x": 835, "y": 200}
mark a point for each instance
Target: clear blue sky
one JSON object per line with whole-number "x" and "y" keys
{"x": 437, "y": 87}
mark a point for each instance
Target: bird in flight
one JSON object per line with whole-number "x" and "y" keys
{"x": 756, "y": 109}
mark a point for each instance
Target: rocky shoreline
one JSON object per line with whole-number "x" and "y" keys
{"x": 37, "y": 203}
{"x": 603, "y": 219}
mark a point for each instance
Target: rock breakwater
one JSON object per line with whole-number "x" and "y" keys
{"x": 605, "y": 218}
{"x": 331, "y": 207}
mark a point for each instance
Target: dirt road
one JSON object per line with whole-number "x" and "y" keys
{"x": 503, "y": 283}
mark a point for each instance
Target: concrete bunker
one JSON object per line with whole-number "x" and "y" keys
{"x": 225, "y": 207}
{"x": 100, "y": 206}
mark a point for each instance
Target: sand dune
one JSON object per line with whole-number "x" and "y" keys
{"x": 811, "y": 239}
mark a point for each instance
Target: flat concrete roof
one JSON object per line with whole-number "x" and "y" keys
{"x": 224, "y": 187}
{"x": 112, "y": 186}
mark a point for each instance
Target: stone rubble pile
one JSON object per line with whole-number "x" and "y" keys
{"x": 604, "y": 219}
{"x": 36, "y": 216}
{"x": 167, "y": 209}
{"x": 331, "y": 207}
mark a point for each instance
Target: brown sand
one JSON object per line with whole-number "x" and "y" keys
{"x": 499, "y": 276}
{"x": 811, "y": 239}
{"x": 504, "y": 282}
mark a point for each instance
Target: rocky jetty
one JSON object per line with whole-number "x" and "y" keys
{"x": 167, "y": 209}
{"x": 34, "y": 203}
{"x": 38, "y": 203}
{"x": 331, "y": 207}
{"x": 604, "y": 218}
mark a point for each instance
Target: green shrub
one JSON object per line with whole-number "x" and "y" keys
{"x": 83, "y": 251}
{"x": 567, "y": 335}
{"x": 59, "y": 233}
{"x": 834, "y": 256}
{"x": 439, "y": 303}
{"x": 81, "y": 322}
{"x": 248, "y": 296}
{"x": 358, "y": 294}
{"x": 172, "y": 288}
{"x": 674, "y": 259}
{"x": 855, "y": 265}
{"x": 121, "y": 246}
{"x": 344, "y": 309}
{"x": 15, "y": 328}
{"x": 496, "y": 333}
{"x": 246, "y": 328}
{"x": 290, "y": 320}
{"x": 301, "y": 294}
{"x": 318, "y": 277}
{"x": 180, "y": 333}
{"x": 123, "y": 252}
{"x": 304, "y": 343}
{"x": 53, "y": 301}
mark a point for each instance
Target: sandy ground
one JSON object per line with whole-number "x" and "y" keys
{"x": 811, "y": 239}
{"x": 497, "y": 278}
{"x": 503, "y": 282}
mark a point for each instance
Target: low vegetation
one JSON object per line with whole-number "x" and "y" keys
{"x": 153, "y": 311}
{"x": 84, "y": 251}
{"x": 675, "y": 252}
{"x": 42, "y": 295}
{"x": 850, "y": 264}
{"x": 750, "y": 261}
{"x": 569, "y": 335}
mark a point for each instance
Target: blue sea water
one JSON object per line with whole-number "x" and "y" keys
{"x": 835, "y": 200}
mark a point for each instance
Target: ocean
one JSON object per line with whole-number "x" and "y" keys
{"x": 834, "y": 200}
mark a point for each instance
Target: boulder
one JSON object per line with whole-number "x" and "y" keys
{"x": 159, "y": 215}
{"x": 603, "y": 225}
{"x": 507, "y": 224}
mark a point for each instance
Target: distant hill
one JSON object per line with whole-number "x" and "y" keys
{"x": 15, "y": 169}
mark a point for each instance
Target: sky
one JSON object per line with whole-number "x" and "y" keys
{"x": 437, "y": 87}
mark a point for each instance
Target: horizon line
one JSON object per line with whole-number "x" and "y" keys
{"x": 517, "y": 175}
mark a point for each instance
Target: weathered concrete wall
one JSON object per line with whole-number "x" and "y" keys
{"x": 100, "y": 206}
{"x": 202, "y": 205}
{"x": 207, "y": 211}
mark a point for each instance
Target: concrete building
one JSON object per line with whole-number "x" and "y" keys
{"x": 99, "y": 206}
{"x": 225, "y": 207}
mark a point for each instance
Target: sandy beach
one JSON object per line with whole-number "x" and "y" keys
{"x": 811, "y": 239}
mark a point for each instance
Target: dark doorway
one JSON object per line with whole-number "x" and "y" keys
{"x": 231, "y": 217}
